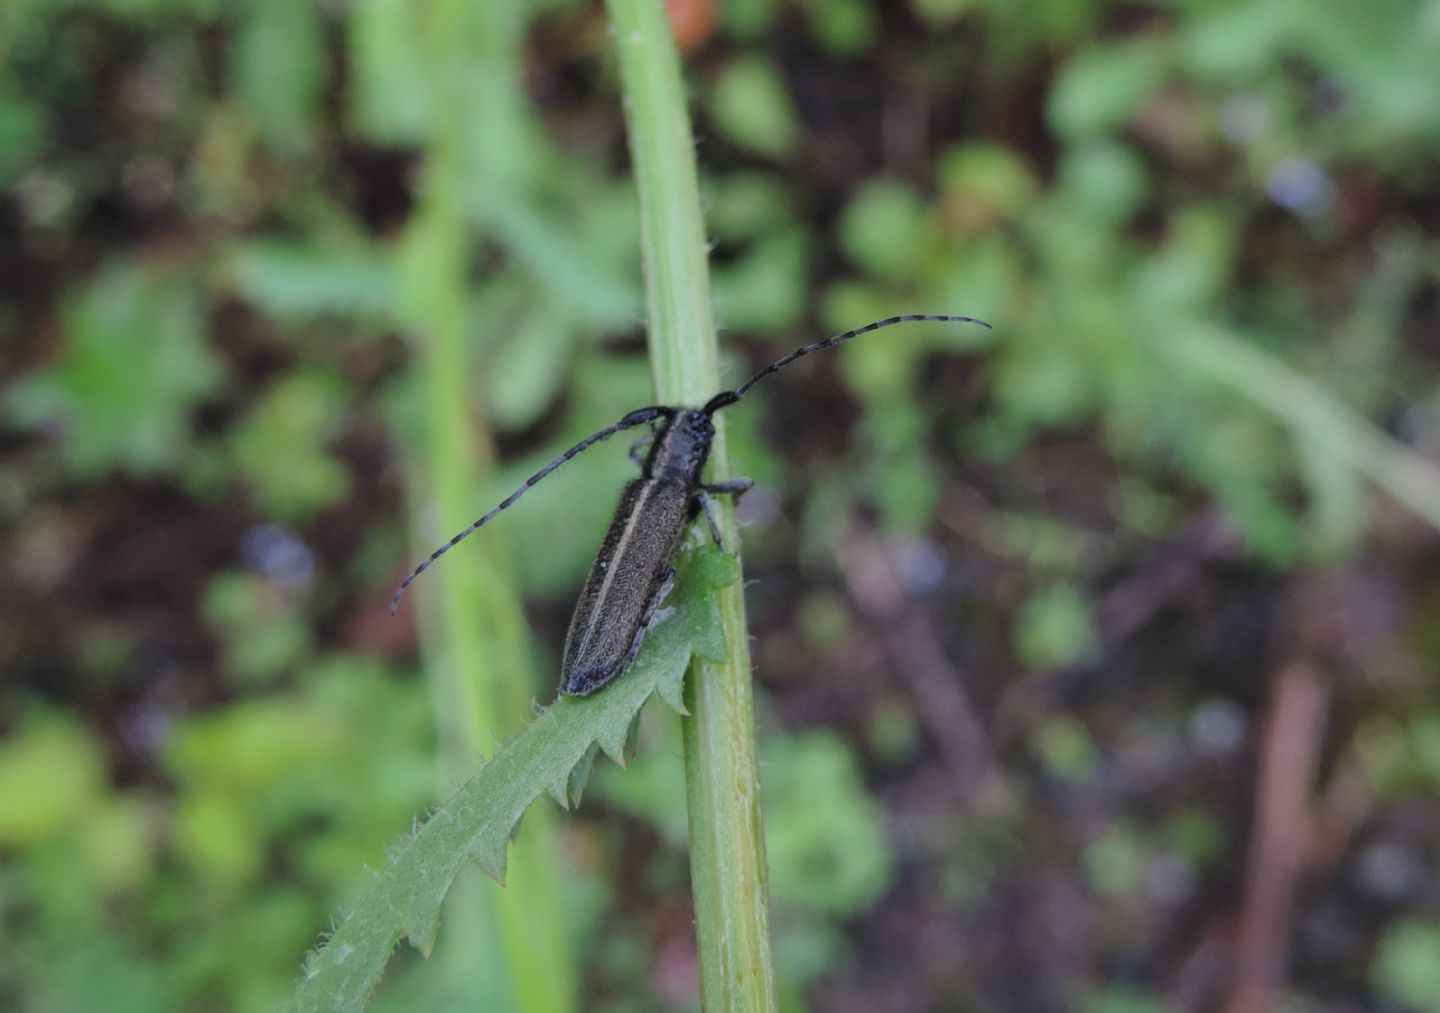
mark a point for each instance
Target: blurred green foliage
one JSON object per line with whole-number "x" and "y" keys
{"x": 318, "y": 779}
{"x": 281, "y": 447}
{"x": 1199, "y": 228}
{"x": 263, "y": 634}
{"x": 1408, "y": 967}
{"x": 752, "y": 108}
{"x": 134, "y": 364}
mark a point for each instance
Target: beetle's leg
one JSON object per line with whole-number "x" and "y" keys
{"x": 703, "y": 502}
{"x": 641, "y": 448}
{"x": 732, "y": 487}
{"x": 637, "y": 452}
{"x": 736, "y": 487}
{"x": 666, "y": 584}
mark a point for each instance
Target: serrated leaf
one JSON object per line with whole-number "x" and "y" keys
{"x": 490, "y": 855}
{"x": 560, "y": 792}
{"x": 672, "y": 694}
{"x": 422, "y": 934}
{"x": 580, "y": 776}
{"x": 567, "y": 792}
{"x": 476, "y": 822}
{"x": 612, "y": 743}
{"x": 632, "y": 737}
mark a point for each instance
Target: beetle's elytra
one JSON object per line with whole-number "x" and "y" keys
{"x": 632, "y": 571}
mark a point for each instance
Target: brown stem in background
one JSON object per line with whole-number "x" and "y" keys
{"x": 913, "y": 644}
{"x": 1281, "y": 830}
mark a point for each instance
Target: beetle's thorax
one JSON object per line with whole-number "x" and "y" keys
{"x": 681, "y": 447}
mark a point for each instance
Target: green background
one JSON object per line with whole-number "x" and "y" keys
{"x": 290, "y": 292}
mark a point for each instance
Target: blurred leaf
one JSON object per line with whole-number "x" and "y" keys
{"x": 1421, "y": 754}
{"x": 52, "y": 776}
{"x": 101, "y": 970}
{"x": 1101, "y": 88}
{"x": 1316, "y": 415}
{"x": 752, "y": 107}
{"x": 805, "y": 948}
{"x": 1041, "y": 21}
{"x": 1382, "y": 751}
{"x": 263, "y": 633}
{"x": 1191, "y": 267}
{"x": 1408, "y": 966}
{"x": 1115, "y": 861}
{"x": 746, "y": 205}
{"x": 119, "y": 841}
{"x": 23, "y": 131}
{"x": 1145, "y": 509}
{"x": 530, "y": 366}
{"x": 825, "y": 619}
{"x": 892, "y": 732}
{"x": 478, "y": 820}
{"x": 1102, "y": 179}
{"x": 1054, "y": 628}
{"x": 766, "y": 288}
{"x": 222, "y": 182}
{"x": 906, "y": 488}
{"x": 291, "y": 280}
{"x": 266, "y": 929}
{"x": 1387, "y": 67}
{"x": 249, "y": 745}
{"x": 887, "y": 229}
{"x": 1339, "y": 508}
{"x": 155, "y": 9}
{"x": 281, "y": 447}
{"x": 988, "y": 179}
{"x": 844, "y": 27}
{"x": 1196, "y": 834}
{"x": 279, "y": 68}
{"x": 747, "y": 19}
{"x": 1231, "y": 42}
{"x": 214, "y": 835}
{"x": 823, "y": 834}
{"x": 132, "y": 364}
{"x": 1119, "y": 999}
{"x": 1044, "y": 385}
{"x": 580, "y": 266}
{"x": 1043, "y": 543}
{"x": 323, "y": 773}
{"x": 1066, "y": 748}
{"x": 940, "y": 13}
{"x": 390, "y": 93}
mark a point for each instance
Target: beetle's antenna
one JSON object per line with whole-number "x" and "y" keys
{"x": 636, "y": 418}
{"x": 729, "y": 397}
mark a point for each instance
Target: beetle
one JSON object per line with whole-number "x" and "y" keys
{"x": 632, "y": 572}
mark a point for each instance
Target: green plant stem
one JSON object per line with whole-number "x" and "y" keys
{"x": 727, "y": 848}
{"x": 477, "y": 652}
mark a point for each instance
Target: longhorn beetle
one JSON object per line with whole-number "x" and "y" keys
{"x": 632, "y": 572}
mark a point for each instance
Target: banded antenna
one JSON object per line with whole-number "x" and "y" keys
{"x": 729, "y": 397}
{"x": 639, "y": 417}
